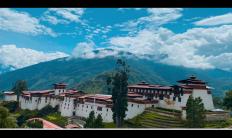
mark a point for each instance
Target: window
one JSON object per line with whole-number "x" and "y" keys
{"x": 91, "y": 107}
{"x": 86, "y": 106}
{"x": 132, "y": 105}
{"x": 107, "y": 109}
{"x": 174, "y": 98}
{"x": 179, "y": 99}
{"x": 138, "y": 106}
{"x": 99, "y": 108}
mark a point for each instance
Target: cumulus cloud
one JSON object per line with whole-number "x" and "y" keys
{"x": 216, "y": 20}
{"x": 22, "y": 22}
{"x": 156, "y": 17}
{"x": 89, "y": 50}
{"x": 63, "y": 15}
{"x": 12, "y": 56}
{"x": 203, "y": 48}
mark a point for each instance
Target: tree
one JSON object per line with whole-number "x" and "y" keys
{"x": 46, "y": 111}
{"x": 25, "y": 115}
{"x": 6, "y": 121}
{"x": 118, "y": 85}
{"x": 19, "y": 87}
{"x": 227, "y": 101}
{"x": 11, "y": 105}
{"x": 218, "y": 102}
{"x": 90, "y": 120}
{"x": 195, "y": 112}
{"x": 99, "y": 122}
{"x": 34, "y": 124}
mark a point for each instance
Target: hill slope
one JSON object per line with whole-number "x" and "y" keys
{"x": 85, "y": 73}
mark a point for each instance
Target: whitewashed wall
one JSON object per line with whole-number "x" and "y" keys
{"x": 206, "y": 98}
{"x": 10, "y": 98}
{"x": 83, "y": 110}
{"x": 67, "y": 107}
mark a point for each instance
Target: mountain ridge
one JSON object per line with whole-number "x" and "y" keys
{"x": 85, "y": 73}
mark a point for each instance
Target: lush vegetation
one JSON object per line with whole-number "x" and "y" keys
{"x": 6, "y": 120}
{"x": 11, "y": 105}
{"x": 86, "y": 71}
{"x": 92, "y": 122}
{"x": 48, "y": 113}
{"x": 219, "y": 124}
{"x": 118, "y": 87}
{"x": 218, "y": 102}
{"x": 57, "y": 119}
{"x": 227, "y": 101}
{"x": 195, "y": 113}
{"x": 47, "y": 110}
{"x": 34, "y": 124}
{"x": 24, "y": 115}
{"x": 155, "y": 119}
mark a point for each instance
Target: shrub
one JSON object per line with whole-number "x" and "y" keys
{"x": 35, "y": 124}
{"x": 25, "y": 115}
{"x": 46, "y": 111}
{"x": 57, "y": 119}
{"x": 11, "y": 106}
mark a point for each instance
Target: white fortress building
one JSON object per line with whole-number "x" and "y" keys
{"x": 140, "y": 96}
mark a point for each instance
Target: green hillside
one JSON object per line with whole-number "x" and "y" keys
{"x": 90, "y": 74}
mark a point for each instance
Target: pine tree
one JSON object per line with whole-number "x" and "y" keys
{"x": 118, "y": 87}
{"x": 99, "y": 122}
{"x": 195, "y": 112}
{"x": 227, "y": 101}
{"x": 19, "y": 87}
{"x": 90, "y": 121}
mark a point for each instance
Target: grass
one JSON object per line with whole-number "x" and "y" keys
{"x": 109, "y": 125}
{"x": 219, "y": 124}
{"x": 151, "y": 119}
{"x": 57, "y": 119}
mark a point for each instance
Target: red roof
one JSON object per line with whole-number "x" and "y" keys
{"x": 46, "y": 124}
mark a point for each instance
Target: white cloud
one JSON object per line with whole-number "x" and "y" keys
{"x": 223, "y": 61}
{"x": 63, "y": 15}
{"x": 84, "y": 50}
{"x": 196, "y": 48}
{"x": 89, "y": 50}
{"x": 216, "y": 20}
{"x": 156, "y": 17}
{"x": 22, "y": 57}
{"x": 22, "y": 22}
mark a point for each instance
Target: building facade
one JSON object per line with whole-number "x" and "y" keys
{"x": 140, "y": 96}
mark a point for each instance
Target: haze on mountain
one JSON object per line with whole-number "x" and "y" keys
{"x": 89, "y": 74}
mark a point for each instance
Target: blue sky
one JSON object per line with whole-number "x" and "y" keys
{"x": 200, "y": 37}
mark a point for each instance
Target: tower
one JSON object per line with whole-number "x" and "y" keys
{"x": 59, "y": 88}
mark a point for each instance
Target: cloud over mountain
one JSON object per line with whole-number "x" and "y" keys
{"x": 14, "y": 57}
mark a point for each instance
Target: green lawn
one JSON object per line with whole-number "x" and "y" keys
{"x": 57, "y": 119}
{"x": 219, "y": 124}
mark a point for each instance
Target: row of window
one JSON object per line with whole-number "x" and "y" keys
{"x": 147, "y": 90}
{"x": 98, "y": 107}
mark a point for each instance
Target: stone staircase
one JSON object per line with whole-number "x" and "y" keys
{"x": 158, "y": 118}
